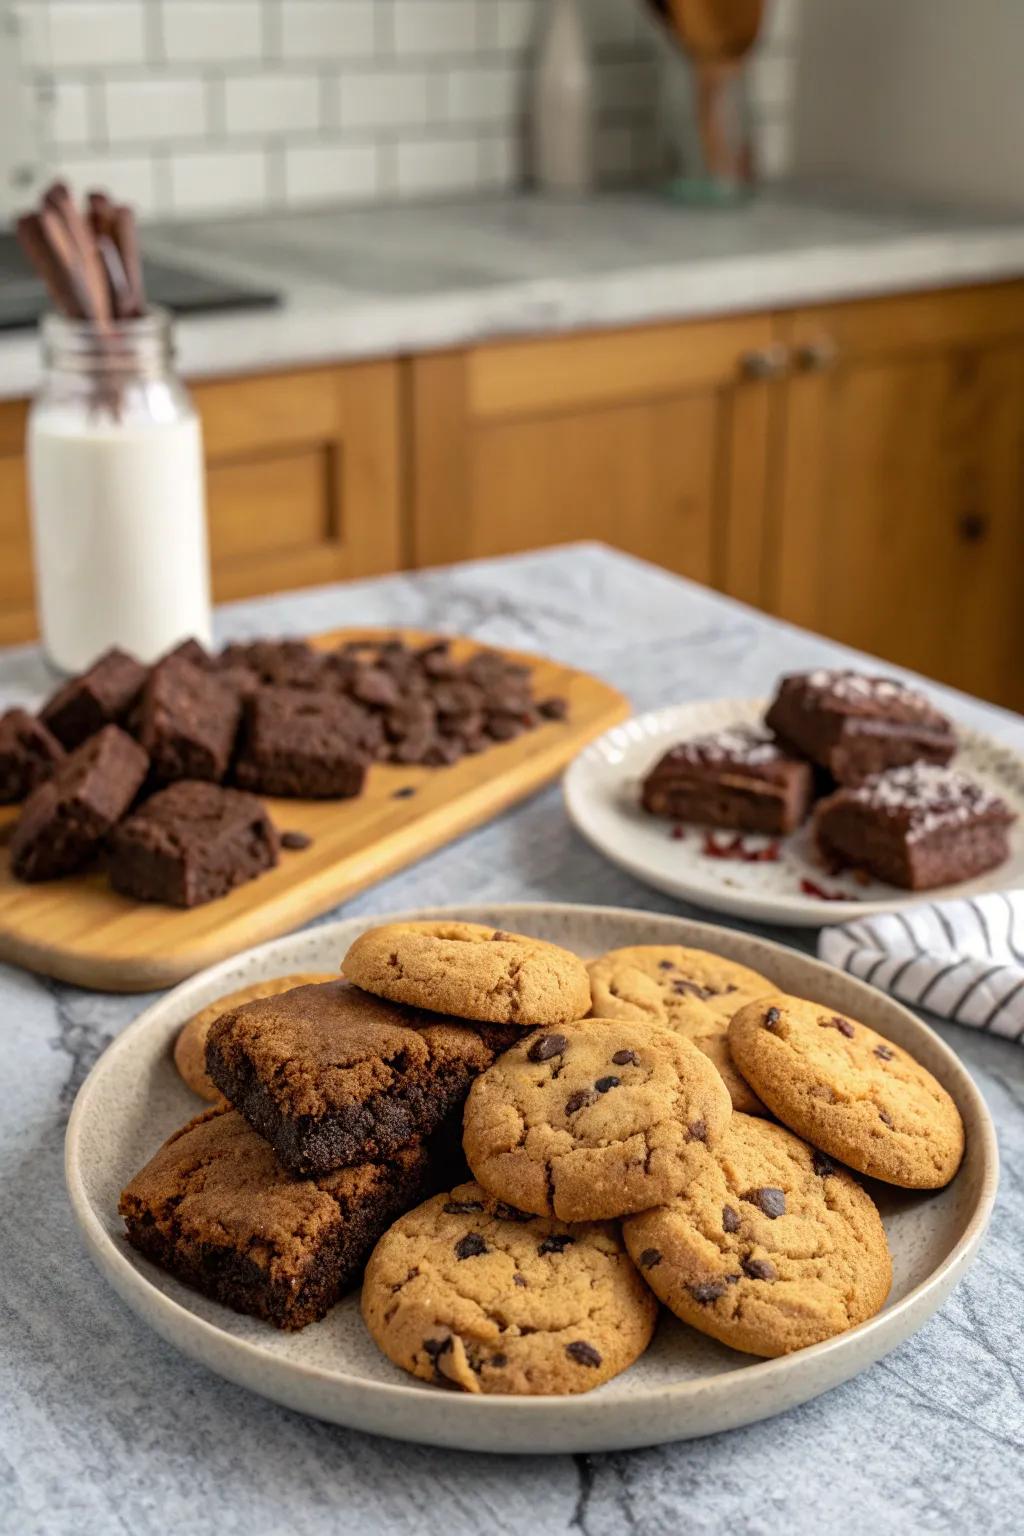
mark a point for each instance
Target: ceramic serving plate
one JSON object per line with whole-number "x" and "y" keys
{"x": 602, "y": 795}
{"x": 686, "y": 1385}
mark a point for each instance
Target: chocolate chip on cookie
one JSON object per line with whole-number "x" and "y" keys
{"x": 566, "y": 1137}
{"x": 536, "y": 1309}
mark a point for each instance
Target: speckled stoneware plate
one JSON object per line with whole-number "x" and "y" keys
{"x": 602, "y": 795}
{"x": 686, "y": 1385}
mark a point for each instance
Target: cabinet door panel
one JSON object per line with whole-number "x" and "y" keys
{"x": 17, "y": 602}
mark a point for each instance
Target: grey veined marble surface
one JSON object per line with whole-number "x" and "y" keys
{"x": 104, "y": 1429}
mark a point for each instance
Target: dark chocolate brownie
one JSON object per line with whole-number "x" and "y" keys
{"x": 28, "y": 754}
{"x": 856, "y": 726}
{"x": 101, "y": 696}
{"x": 737, "y": 778}
{"x": 187, "y": 722}
{"x": 64, "y": 821}
{"x": 192, "y": 843}
{"x": 193, "y": 652}
{"x": 306, "y": 744}
{"x": 332, "y": 1076}
{"x": 276, "y": 663}
{"x": 916, "y": 827}
{"x": 216, "y": 1209}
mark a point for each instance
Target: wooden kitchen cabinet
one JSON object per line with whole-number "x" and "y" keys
{"x": 628, "y": 436}
{"x": 303, "y": 484}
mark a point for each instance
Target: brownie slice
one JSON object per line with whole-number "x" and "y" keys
{"x": 737, "y": 778}
{"x": 28, "y": 754}
{"x": 63, "y": 822}
{"x": 192, "y": 843}
{"x": 188, "y": 722}
{"x": 216, "y": 1209}
{"x": 332, "y": 1076}
{"x": 305, "y": 744}
{"x": 101, "y": 696}
{"x": 918, "y": 827}
{"x": 856, "y": 726}
{"x": 275, "y": 663}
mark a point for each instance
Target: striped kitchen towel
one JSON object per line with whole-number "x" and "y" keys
{"x": 962, "y": 960}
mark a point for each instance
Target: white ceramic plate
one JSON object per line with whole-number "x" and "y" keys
{"x": 602, "y": 789}
{"x": 686, "y": 1385}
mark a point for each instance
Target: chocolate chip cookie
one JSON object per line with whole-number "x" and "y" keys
{"x": 467, "y": 1292}
{"x": 849, "y": 1091}
{"x": 599, "y": 1119}
{"x": 190, "y": 1046}
{"x": 769, "y": 1249}
{"x": 471, "y": 972}
{"x": 690, "y": 991}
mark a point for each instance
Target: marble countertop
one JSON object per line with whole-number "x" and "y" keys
{"x": 103, "y": 1428}
{"x": 392, "y": 280}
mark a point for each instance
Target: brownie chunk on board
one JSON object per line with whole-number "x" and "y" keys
{"x": 101, "y": 696}
{"x": 917, "y": 827}
{"x": 332, "y": 1076}
{"x": 28, "y": 754}
{"x": 305, "y": 744}
{"x": 64, "y": 821}
{"x": 737, "y": 778}
{"x": 188, "y": 720}
{"x": 856, "y": 726}
{"x": 191, "y": 843}
{"x": 216, "y": 1209}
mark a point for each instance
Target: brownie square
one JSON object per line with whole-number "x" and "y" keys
{"x": 276, "y": 663}
{"x": 332, "y": 1076}
{"x": 28, "y": 754}
{"x": 855, "y": 726}
{"x": 192, "y": 843}
{"x": 305, "y": 744}
{"x": 737, "y": 778}
{"x": 64, "y": 821}
{"x": 918, "y": 827}
{"x": 216, "y": 1209}
{"x": 101, "y": 696}
{"x": 188, "y": 722}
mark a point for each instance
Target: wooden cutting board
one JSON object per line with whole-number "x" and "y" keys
{"x": 79, "y": 930}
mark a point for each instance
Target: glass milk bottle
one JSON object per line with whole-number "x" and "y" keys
{"x": 116, "y": 492}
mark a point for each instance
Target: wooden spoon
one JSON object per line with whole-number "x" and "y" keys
{"x": 718, "y": 35}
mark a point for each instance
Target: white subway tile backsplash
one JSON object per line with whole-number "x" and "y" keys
{"x": 210, "y": 180}
{"x": 212, "y": 31}
{"x": 83, "y": 34}
{"x": 71, "y": 113}
{"x": 516, "y": 24}
{"x": 772, "y": 81}
{"x": 132, "y": 178}
{"x": 484, "y": 95}
{"x": 322, "y": 173}
{"x": 140, "y": 111}
{"x": 436, "y": 165}
{"x": 328, "y": 29}
{"x": 383, "y": 98}
{"x": 272, "y": 103}
{"x": 437, "y": 26}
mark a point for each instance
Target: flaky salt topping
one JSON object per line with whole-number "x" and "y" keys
{"x": 740, "y": 743}
{"x": 856, "y": 688}
{"x": 931, "y": 796}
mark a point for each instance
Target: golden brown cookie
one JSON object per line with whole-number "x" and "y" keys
{"x": 691, "y": 991}
{"x": 190, "y": 1046}
{"x": 771, "y": 1248}
{"x": 849, "y": 1091}
{"x": 471, "y": 972}
{"x": 599, "y": 1119}
{"x": 467, "y": 1292}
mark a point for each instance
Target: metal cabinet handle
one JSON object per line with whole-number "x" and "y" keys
{"x": 816, "y": 356}
{"x": 765, "y": 362}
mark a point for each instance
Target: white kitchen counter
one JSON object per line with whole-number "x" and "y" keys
{"x": 380, "y": 281}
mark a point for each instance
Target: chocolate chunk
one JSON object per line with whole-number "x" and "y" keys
{"x": 497, "y": 1361}
{"x": 759, "y": 1269}
{"x": 835, "y": 1022}
{"x": 520, "y": 1280}
{"x": 730, "y": 1219}
{"x": 604, "y": 1083}
{"x": 666, "y": 965}
{"x": 405, "y": 793}
{"x": 435, "y": 1348}
{"x": 510, "y": 1212}
{"x": 690, "y": 989}
{"x": 823, "y": 1166}
{"x": 461, "y": 1207}
{"x": 558, "y": 1242}
{"x": 708, "y": 1291}
{"x": 884, "y": 1052}
{"x": 697, "y": 1131}
{"x": 771, "y": 1018}
{"x": 470, "y": 1247}
{"x": 546, "y": 1047}
{"x": 294, "y": 841}
{"x": 771, "y": 1201}
{"x": 582, "y": 1353}
{"x": 578, "y": 1101}
{"x": 649, "y": 1258}
{"x": 626, "y": 1059}
{"x": 553, "y": 709}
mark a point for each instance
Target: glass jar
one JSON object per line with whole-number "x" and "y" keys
{"x": 116, "y": 493}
